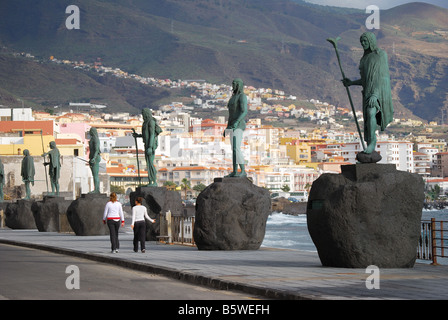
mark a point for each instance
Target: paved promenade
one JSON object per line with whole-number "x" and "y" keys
{"x": 273, "y": 273}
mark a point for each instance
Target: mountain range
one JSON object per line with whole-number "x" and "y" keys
{"x": 278, "y": 44}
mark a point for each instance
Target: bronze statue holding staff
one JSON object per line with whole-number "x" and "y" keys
{"x": 150, "y": 133}
{"x": 54, "y": 164}
{"x": 377, "y": 104}
{"x": 377, "y": 95}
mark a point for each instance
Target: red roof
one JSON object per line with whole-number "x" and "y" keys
{"x": 114, "y": 170}
{"x": 66, "y": 141}
{"x": 437, "y": 180}
{"x": 189, "y": 168}
{"x": 35, "y": 126}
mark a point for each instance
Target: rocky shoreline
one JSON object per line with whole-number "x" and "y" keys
{"x": 285, "y": 206}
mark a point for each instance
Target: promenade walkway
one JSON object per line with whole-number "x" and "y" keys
{"x": 273, "y": 273}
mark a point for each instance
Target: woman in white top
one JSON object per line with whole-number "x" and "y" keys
{"x": 138, "y": 224}
{"x": 113, "y": 213}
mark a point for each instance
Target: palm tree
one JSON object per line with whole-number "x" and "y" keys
{"x": 308, "y": 187}
{"x": 199, "y": 187}
{"x": 170, "y": 185}
{"x": 185, "y": 185}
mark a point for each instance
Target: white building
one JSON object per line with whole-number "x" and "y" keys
{"x": 16, "y": 114}
{"x": 350, "y": 150}
{"x": 275, "y": 181}
{"x": 399, "y": 153}
{"x": 441, "y": 182}
{"x": 422, "y": 163}
{"x": 430, "y": 151}
{"x": 297, "y": 178}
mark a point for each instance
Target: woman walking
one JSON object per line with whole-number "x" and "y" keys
{"x": 113, "y": 214}
{"x": 138, "y": 224}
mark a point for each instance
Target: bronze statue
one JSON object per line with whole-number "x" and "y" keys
{"x": 150, "y": 132}
{"x": 377, "y": 96}
{"x": 236, "y": 124}
{"x": 54, "y": 165}
{"x": 94, "y": 158}
{"x": 27, "y": 172}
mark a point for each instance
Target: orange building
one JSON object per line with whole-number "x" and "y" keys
{"x": 27, "y": 127}
{"x": 17, "y": 136}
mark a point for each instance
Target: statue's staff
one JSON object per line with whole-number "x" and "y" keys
{"x": 43, "y": 155}
{"x": 136, "y": 152}
{"x": 88, "y": 162}
{"x": 334, "y": 42}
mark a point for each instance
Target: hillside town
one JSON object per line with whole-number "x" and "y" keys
{"x": 192, "y": 151}
{"x": 288, "y": 143}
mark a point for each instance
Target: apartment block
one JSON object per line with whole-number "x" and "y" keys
{"x": 440, "y": 169}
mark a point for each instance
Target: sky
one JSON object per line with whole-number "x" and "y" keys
{"x": 381, "y": 4}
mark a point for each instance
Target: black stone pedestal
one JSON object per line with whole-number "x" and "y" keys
{"x": 231, "y": 214}
{"x": 19, "y": 215}
{"x": 368, "y": 215}
{"x": 49, "y": 212}
{"x": 158, "y": 200}
{"x": 85, "y": 215}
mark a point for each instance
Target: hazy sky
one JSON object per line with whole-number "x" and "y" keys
{"x": 382, "y": 4}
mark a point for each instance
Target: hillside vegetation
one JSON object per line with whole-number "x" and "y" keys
{"x": 278, "y": 44}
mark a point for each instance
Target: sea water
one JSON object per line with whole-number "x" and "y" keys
{"x": 287, "y": 232}
{"x": 291, "y": 232}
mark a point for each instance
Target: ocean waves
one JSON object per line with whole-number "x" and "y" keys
{"x": 288, "y": 232}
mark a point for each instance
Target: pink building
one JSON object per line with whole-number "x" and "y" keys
{"x": 78, "y": 128}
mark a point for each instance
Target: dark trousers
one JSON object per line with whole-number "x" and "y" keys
{"x": 113, "y": 231}
{"x": 139, "y": 234}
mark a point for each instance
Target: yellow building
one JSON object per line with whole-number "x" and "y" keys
{"x": 300, "y": 152}
{"x": 16, "y": 136}
{"x": 70, "y": 147}
{"x": 33, "y": 142}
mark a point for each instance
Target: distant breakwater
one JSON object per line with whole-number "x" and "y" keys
{"x": 287, "y": 207}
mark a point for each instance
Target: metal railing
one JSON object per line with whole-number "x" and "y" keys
{"x": 183, "y": 230}
{"x": 176, "y": 229}
{"x": 433, "y": 241}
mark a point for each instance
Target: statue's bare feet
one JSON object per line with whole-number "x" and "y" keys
{"x": 241, "y": 174}
{"x": 233, "y": 174}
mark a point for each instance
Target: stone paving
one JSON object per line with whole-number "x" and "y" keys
{"x": 273, "y": 273}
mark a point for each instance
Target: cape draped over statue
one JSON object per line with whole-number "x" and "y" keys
{"x": 28, "y": 170}
{"x": 55, "y": 163}
{"x": 375, "y": 77}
